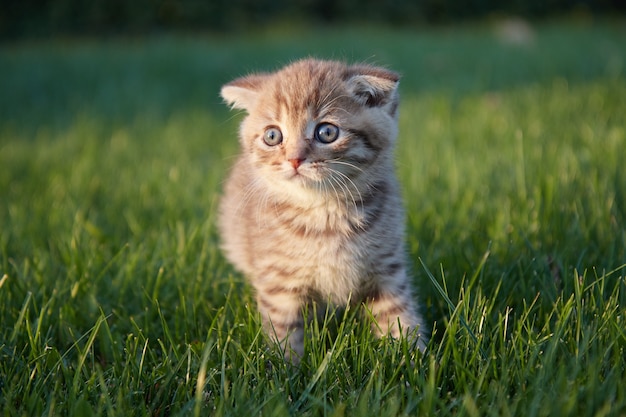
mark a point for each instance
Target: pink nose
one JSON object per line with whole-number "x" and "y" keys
{"x": 296, "y": 162}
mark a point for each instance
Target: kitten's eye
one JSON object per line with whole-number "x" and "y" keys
{"x": 326, "y": 132}
{"x": 272, "y": 136}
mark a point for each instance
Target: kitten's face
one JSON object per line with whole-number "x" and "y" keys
{"x": 316, "y": 124}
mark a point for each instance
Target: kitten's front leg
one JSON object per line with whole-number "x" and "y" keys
{"x": 281, "y": 311}
{"x": 394, "y": 311}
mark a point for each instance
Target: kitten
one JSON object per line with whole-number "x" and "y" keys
{"x": 312, "y": 209}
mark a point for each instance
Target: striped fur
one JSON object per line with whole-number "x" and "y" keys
{"x": 306, "y": 220}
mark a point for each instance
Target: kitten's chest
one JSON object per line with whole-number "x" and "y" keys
{"x": 326, "y": 247}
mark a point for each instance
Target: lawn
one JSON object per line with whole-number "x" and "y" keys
{"x": 115, "y": 298}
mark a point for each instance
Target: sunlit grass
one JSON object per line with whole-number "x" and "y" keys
{"x": 115, "y": 299}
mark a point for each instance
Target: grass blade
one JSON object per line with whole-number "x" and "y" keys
{"x": 452, "y": 307}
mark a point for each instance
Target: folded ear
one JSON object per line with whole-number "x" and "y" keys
{"x": 242, "y": 93}
{"x": 373, "y": 86}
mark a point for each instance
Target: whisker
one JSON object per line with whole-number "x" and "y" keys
{"x": 341, "y": 162}
{"x": 344, "y": 191}
{"x": 323, "y": 99}
{"x": 322, "y": 187}
{"x": 351, "y": 182}
{"x": 261, "y": 204}
{"x": 330, "y": 107}
{"x": 340, "y": 181}
{"x": 335, "y": 189}
{"x": 250, "y": 191}
{"x": 321, "y": 104}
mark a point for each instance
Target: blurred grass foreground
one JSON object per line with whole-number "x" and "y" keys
{"x": 115, "y": 299}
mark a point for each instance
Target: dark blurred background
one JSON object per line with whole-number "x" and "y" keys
{"x": 36, "y": 18}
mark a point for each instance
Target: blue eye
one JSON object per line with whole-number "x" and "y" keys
{"x": 326, "y": 132}
{"x": 272, "y": 136}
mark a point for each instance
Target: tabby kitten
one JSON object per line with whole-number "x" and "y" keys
{"x": 312, "y": 209}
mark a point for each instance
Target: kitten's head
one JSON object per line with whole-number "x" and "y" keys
{"x": 318, "y": 125}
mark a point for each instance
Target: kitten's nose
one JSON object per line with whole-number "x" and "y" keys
{"x": 296, "y": 162}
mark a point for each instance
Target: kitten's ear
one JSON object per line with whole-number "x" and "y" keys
{"x": 243, "y": 92}
{"x": 373, "y": 86}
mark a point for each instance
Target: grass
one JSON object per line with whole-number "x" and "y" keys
{"x": 114, "y": 297}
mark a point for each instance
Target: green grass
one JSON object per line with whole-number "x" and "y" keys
{"x": 115, "y": 299}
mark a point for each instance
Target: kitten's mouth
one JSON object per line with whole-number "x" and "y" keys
{"x": 305, "y": 175}
{"x": 298, "y": 176}
{"x": 301, "y": 178}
